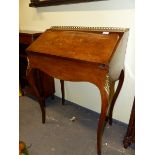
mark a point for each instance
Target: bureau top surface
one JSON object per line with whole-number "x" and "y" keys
{"x": 84, "y": 46}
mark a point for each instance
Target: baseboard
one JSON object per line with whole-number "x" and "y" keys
{"x": 114, "y": 120}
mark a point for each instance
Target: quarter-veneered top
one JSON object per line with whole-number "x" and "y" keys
{"x": 84, "y": 46}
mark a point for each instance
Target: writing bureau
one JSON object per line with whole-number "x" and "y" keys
{"x": 77, "y": 54}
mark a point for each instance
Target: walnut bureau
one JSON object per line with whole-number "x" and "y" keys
{"x": 77, "y": 54}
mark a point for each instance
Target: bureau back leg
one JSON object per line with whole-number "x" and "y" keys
{"x": 62, "y": 91}
{"x": 112, "y": 104}
{"x": 32, "y": 83}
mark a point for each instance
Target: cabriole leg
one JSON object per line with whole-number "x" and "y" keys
{"x": 121, "y": 80}
{"x": 62, "y": 91}
{"x": 102, "y": 118}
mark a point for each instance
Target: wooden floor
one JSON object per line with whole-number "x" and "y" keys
{"x": 61, "y": 136}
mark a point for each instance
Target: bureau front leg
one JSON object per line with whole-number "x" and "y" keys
{"x": 102, "y": 118}
{"x": 31, "y": 80}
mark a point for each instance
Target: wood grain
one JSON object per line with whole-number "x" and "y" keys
{"x": 85, "y": 46}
